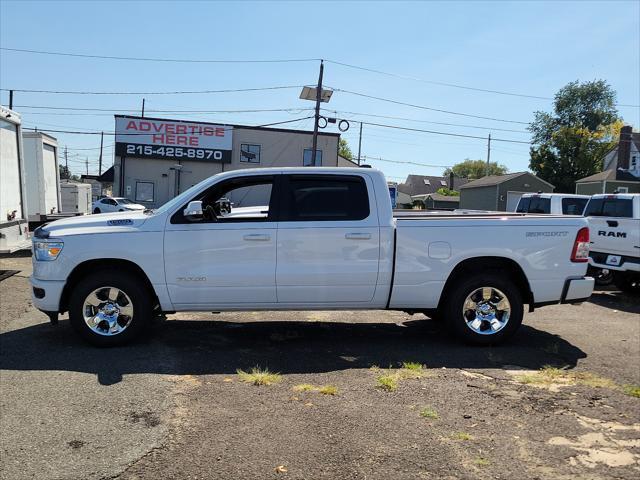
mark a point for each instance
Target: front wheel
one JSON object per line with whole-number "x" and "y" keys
{"x": 483, "y": 309}
{"x": 109, "y": 308}
{"x": 96, "y": 210}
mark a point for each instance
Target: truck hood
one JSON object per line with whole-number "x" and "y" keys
{"x": 96, "y": 223}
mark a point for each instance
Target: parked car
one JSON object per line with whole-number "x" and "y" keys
{"x": 614, "y": 221}
{"x": 115, "y": 204}
{"x": 554, "y": 203}
{"x": 324, "y": 238}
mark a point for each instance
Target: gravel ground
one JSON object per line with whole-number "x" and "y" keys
{"x": 172, "y": 406}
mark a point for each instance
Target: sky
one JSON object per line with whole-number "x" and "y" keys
{"x": 526, "y": 48}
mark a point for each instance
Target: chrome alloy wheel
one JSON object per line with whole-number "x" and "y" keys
{"x": 486, "y": 310}
{"x": 107, "y": 311}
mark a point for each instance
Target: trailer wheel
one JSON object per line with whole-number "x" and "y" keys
{"x": 483, "y": 309}
{"x": 108, "y": 308}
{"x": 96, "y": 210}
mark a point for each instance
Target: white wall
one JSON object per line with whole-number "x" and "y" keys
{"x": 10, "y": 178}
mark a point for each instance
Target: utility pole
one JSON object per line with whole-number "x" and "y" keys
{"x": 10, "y": 99}
{"x": 100, "y": 159}
{"x": 66, "y": 163}
{"x": 143, "y": 107}
{"x": 315, "y": 126}
{"x": 86, "y": 163}
{"x": 359, "y": 143}
{"x": 488, "y": 154}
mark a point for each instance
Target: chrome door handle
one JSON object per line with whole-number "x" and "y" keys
{"x": 257, "y": 237}
{"x": 358, "y": 236}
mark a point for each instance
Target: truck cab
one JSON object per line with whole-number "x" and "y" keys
{"x": 552, "y": 203}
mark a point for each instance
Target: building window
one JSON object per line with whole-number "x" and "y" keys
{"x": 634, "y": 163}
{"x": 249, "y": 153}
{"x": 623, "y": 189}
{"x": 307, "y": 158}
{"x": 426, "y": 181}
{"x": 144, "y": 191}
{"x": 443, "y": 183}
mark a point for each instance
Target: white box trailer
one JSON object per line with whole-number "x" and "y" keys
{"x": 43, "y": 178}
{"x": 14, "y": 228}
{"x": 75, "y": 198}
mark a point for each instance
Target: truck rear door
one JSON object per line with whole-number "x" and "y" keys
{"x": 328, "y": 240}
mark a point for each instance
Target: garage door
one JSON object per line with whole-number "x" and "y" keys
{"x": 512, "y": 200}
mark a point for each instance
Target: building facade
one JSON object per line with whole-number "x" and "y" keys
{"x": 156, "y": 159}
{"x": 501, "y": 192}
{"x": 621, "y": 168}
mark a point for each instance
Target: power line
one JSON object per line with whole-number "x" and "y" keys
{"x": 425, "y": 121}
{"x": 163, "y": 60}
{"x": 146, "y": 133}
{"x": 177, "y": 92}
{"x": 439, "y": 133}
{"x": 256, "y": 110}
{"x": 422, "y": 107}
{"x": 380, "y": 159}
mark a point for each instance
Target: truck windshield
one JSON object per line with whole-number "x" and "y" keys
{"x": 609, "y": 207}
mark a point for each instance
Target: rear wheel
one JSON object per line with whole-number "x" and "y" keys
{"x": 96, "y": 210}
{"x": 628, "y": 282}
{"x": 109, "y": 308}
{"x": 483, "y": 309}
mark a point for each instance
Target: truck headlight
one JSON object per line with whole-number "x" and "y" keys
{"x": 47, "y": 251}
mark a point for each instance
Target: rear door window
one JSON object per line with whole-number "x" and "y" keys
{"x": 609, "y": 207}
{"x": 573, "y": 206}
{"x": 324, "y": 198}
{"x": 538, "y": 205}
{"x": 523, "y": 205}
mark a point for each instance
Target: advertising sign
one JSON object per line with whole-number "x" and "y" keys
{"x": 173, "y": 139}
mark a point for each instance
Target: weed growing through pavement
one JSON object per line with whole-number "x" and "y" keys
{"x": 548, "y": 376}
{"x": 388, "y": 383}
{"x": 429, "y": 412}
{"x": 464, "y": 436}
{"x": 633, "y": 390}
{"x": 324, "y": 389}
{"x": 481, "y": 462}
{"x": 259, "y": 376}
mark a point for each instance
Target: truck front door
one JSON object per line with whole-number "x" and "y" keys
{"x": 328, "y": 240}
{"x": 229, "y": 257}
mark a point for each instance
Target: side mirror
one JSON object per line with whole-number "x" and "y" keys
{"x": 193, "y": 212}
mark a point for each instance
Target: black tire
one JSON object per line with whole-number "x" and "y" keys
{"x": 121, "y": 210}
{"x": 628, "y": 282}
{"x": 456, "y": 296}
{"x": 128, "y": 283}
{"x": 96, "y": 210}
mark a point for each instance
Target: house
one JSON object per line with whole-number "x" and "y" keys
{"x": 621, "y": 168}
{"x": 422, "y": 184}
{"x": 436, "y": 201}
{"x": 501, "y": 192}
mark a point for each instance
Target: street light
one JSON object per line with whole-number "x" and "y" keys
{"x": 319, "y": 95}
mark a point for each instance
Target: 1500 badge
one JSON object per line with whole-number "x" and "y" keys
{"x": 191, "y": 279}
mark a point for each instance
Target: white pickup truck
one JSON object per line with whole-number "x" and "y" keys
{"x": 556, "y": 203}
{"x": 304, "y": 239}
{"x": 614, "y": 221}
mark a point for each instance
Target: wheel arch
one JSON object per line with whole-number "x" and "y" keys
{"x": 479, "y": 264}
{"x": 89, "y": 266}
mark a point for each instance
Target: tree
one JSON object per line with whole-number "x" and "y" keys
{"x": 571, "y": 142}
{"x": 474, "y": 169}
{"x": 344, "y": 150}
{"x": 65, "y": 173}
{"x": 449, "y": 193}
